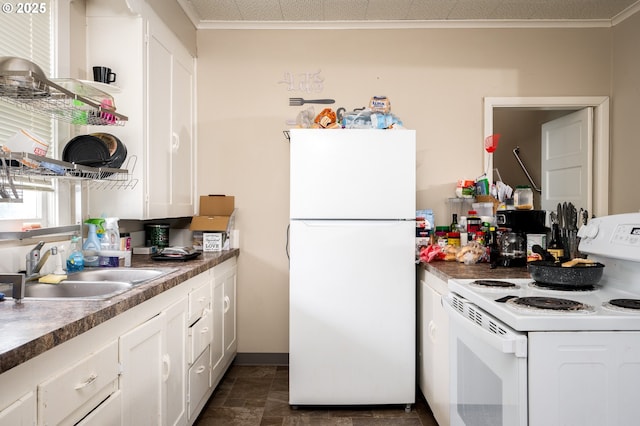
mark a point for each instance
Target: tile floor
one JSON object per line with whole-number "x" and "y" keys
{"x": 259, "y": 395}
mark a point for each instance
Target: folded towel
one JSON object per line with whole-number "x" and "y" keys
{"x": 52, "y": 279}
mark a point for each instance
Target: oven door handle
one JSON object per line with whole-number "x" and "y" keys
{"x": 507, "y": 341}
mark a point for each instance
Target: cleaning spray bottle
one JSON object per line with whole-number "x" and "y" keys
{"x": 91, "y": 246}
{"x": 75, "y": 261}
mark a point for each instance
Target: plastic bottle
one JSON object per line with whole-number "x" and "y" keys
{"x": 111, "y": 239}
{"x": 75, "y": 261}
{"x": 91, "y": 247}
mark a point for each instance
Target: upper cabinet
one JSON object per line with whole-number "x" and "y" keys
{"x": 156, "y": 77}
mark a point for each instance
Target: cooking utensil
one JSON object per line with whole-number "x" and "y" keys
{"x": 21, "y": 78}
{"x": 117, "y": 150}
{"x": 300, "y": 101}
{"x": 491, "y": 142}
{"x": 86, "y": 150}
{"x": 580, "y": 275}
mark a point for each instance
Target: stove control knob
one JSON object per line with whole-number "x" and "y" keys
{"x": 591, "y": 230}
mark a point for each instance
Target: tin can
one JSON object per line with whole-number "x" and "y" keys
{"x": 157, "y": 234}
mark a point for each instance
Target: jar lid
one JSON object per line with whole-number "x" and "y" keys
{"x": 523, "y": 187}
{"x": 442, "y": 228}
{"x": 453, "y": 234}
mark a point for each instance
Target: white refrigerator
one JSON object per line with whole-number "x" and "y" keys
{"x": 352, "y": 267}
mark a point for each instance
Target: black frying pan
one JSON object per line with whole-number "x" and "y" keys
{"x": 579, "y": 275}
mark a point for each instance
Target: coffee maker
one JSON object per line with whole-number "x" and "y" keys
{"x": 513, "y": 227}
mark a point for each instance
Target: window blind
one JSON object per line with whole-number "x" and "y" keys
{"x": 28, "y": 36}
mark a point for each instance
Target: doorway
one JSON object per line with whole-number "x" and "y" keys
{"x": 557, "y": 106}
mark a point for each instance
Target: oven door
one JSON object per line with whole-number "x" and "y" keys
{"x": 488, "y": 367}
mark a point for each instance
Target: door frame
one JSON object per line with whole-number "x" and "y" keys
{"x": 600, "y": 106}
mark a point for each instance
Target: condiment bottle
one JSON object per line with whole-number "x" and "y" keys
{"x": 473, "y": 222}
{"x": 453, "y": 239}
{"x": 555, "y": 247}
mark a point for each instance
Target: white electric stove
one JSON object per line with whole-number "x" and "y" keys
{"x": 572, "y": 360}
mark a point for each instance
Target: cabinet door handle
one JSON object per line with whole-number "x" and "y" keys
{"x": 432, "y": 331}
{"x": 204, "y": 330}
{"x": 175, "y": 145}
{"x": 227, "y": 303}
{"x": 92, "y": 378}
{"x": 166, "y": 367}
{"x": 200, "y": 369}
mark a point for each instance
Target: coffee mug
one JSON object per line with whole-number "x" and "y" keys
{"x": 103, "y": 75}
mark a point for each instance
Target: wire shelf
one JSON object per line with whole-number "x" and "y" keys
{"x": 65, "y": 99}
{"x": 16, "y": 175}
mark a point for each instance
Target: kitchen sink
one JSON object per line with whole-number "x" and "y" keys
{"x": 97, "y": 284}
{"x": 127, "y": 275}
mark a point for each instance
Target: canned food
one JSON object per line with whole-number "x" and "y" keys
{"x": 157, "y": 235}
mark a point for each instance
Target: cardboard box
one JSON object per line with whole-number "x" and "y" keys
{"x": 215, "y": 216}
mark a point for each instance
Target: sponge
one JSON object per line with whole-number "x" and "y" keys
{"x": 52, "y": 279}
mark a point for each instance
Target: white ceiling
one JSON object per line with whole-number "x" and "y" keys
{"x": 372, "y": 13}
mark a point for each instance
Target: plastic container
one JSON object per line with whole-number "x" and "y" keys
{"x": 91, "y": 247}
{"x": 75, "y": 261}
{"x": 523, "y": 198}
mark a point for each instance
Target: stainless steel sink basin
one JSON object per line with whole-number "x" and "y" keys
{"x": 98, "y": 283}
{"x": 127, "y": 275}
{"x": 77, "y": 289}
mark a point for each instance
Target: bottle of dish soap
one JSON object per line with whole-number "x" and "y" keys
{"x": 75, "y": 261}
{"x": 91, "y": 247}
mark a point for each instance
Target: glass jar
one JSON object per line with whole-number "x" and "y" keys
{"x": 523, "y": 198}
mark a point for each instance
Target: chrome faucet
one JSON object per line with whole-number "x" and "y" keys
{"x": 17, "y": 284}
{"x": 35, "y": 261}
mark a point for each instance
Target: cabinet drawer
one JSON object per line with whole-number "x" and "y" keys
{"x": 107, "y": 413}
{"x": 199, "y": 300}
{"x": 71, "y": 394}
{"x": 198, "y": 382}
{"x": 21, "y": 412}
{"x": 200, "y": 335}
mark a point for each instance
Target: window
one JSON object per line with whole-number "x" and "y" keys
{"x": 27, "y": 31}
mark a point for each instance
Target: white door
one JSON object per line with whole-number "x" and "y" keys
{"x": 353, "y": 174}
{"x": 567, "y": 146}
{"x": 352, "y": 312}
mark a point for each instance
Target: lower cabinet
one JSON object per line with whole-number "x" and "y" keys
{"x": 21, "y": 412}
{"x": 163, "y": 361}
{"x": 433, "y": 345}
{"x": 153, "y": 362}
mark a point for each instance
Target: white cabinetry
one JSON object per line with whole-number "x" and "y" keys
{"x": 153, "y": 369}
{"x": 158, "y": 369}
{"x": 224, "y": 344}
{"x": 21, "y": 412}
{"x": 156, "y": 77}
{"x": 433, "y": 345}
{"x": 74, "y": 392}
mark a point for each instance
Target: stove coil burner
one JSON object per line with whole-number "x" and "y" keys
{"x": 624, "y": 304}
{"x": 560, "y": 287}
{"x": 493, "y": 284}
{"x": 550, "y": 304}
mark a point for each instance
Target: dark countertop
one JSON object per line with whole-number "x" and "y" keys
{"x": 451, "y": 269}
{"x": 35, "y": 326}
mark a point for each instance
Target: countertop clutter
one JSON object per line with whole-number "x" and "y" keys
{"x": 446, "y": 270}
{"x": 35, "y": 326}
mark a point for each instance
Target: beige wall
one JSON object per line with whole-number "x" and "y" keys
{"x": 436, "y": 80}
{"x": 625, "y": 122}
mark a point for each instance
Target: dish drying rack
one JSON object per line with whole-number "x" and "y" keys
{"x": 65, "y": 99}
{"x": 16, "y": 176}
